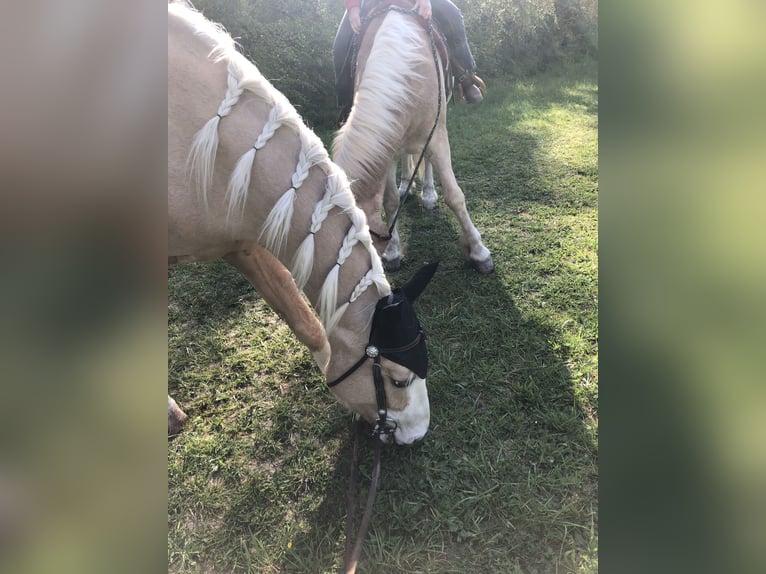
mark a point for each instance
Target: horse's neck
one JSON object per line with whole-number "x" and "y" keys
{"x": 298, "y": 204}
{"x": 330, "y": 255}
{"x": 347, "y": 322}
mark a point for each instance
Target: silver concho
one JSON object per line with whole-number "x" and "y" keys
{"x": 372, "y": 351}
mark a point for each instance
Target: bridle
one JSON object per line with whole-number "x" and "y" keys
{"x": 384, "y": 425}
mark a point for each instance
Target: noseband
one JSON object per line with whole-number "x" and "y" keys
{"x": 383, "y": 425}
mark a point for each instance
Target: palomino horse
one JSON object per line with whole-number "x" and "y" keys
{"x": 395, "y": 108}
{"x": 249, "y": 182}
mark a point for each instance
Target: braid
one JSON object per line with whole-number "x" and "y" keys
{"x": 202, "y": 155}
{"x": 277, "y": 225}
{"x": 239, "y": 182}
{"x": 359, "y": 232}
{"x": 233, "y": 91}
{"x": 242, "y": 75}
{"x": 361, "y": 287}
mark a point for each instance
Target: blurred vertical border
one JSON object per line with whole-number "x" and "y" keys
{"x": 83, "y": 345}
{"x": 83, "y": 287}
{"x": 683, "y": 280}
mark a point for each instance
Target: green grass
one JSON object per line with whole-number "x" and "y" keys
{"x": 506, "y": 479}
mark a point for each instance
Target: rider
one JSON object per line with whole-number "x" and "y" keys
{"x": 450, "y": 21}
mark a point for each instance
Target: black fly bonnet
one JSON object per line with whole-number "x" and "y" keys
{"x": 397, "y": 335}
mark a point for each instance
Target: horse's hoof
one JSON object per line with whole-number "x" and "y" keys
{"x": 176, "y": 418}
{"x": 485, "y": 266}
{"x": 430, "y": 198}
{"x": 175, "y": 426}
{"x": 392, "y": 265}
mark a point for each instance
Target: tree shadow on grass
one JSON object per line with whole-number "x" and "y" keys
{"x": 201, "y": 298}
{"x": 507, "y": 475}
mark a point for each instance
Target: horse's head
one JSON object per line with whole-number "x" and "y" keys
{"x": 387, "y": 384}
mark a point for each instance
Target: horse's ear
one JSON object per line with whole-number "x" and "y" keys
{"x": 414, "y": 287}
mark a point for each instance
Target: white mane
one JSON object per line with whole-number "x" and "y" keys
{"x": 389, "y": 78}
{"x": 243, "y": 75}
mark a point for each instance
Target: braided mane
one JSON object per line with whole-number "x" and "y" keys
{"x": 244, "y": 76}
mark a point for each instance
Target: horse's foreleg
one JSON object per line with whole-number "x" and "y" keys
{"x": 392, "y": 256}
{"x": 470, "y": 238}
{"x": 273, "y": 281}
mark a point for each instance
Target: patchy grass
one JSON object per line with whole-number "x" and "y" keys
{"x": 506, "y": 479}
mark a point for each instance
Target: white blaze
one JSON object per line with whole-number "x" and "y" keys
{"x": 412, "y": 422}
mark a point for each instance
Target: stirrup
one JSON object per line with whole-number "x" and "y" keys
{"x": 479, "y": 83}
{"x": 470, "y": 79}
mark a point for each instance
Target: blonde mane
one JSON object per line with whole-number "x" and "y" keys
{"x": 244, "y": 76}
{"x": 389, "y": 79}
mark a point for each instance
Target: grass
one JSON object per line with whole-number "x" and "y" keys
{"x": 506, "y": 479}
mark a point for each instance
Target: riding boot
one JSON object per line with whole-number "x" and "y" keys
{"x": 472, "y": 87}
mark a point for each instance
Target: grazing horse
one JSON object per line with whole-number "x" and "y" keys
{"x": 395, "y": 108}
{"x": 250, "y": 183}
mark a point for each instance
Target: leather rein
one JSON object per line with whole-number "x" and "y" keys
{"x": 383, "y": 426}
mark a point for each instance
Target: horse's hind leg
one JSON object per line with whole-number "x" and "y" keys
{"x": 408, "y": 172}
{"x": 392, "y": 256}
{"x": 429, "y": 189}
{"x": 427, "y": 177}
{"x": 470, "y": 239}
{"x": 176, "y": 417}
{"x": 275, "y": 284}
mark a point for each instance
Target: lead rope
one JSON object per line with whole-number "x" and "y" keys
{"x": 351, "y": 557}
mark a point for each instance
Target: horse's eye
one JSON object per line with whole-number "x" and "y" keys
{"x": 402, "y": 384}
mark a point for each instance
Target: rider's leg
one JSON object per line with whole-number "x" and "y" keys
{"x": 450, "y": 21}
{"x": 342, "y": 54}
